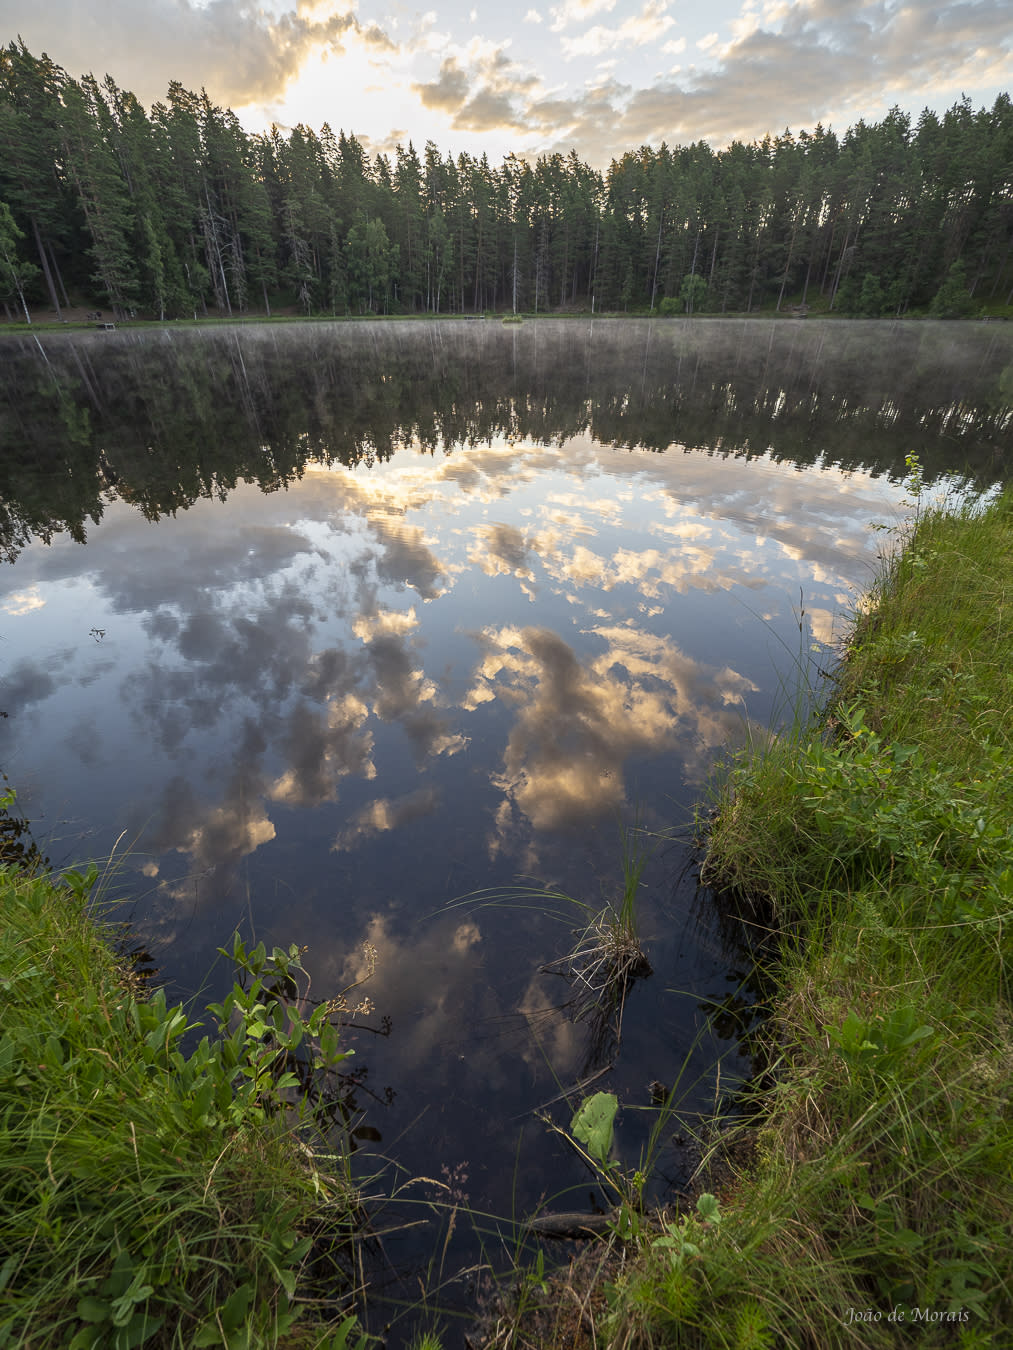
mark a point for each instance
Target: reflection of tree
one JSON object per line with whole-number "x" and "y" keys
{"x": 164, "y": 419}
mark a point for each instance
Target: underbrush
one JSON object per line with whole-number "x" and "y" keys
{"x": 153, "y": 1195}
{"x": 876, "y": 845}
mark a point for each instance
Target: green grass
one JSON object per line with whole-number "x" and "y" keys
{"x": 152, "y": 1195}
{"x": 874, "y": 1201}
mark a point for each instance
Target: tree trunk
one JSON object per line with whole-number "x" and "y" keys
{"x": 41, "y": 246}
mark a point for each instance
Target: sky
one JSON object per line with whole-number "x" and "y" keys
{"x": 597, "y": 76}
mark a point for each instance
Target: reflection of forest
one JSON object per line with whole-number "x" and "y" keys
{"x": 163, "y": 418}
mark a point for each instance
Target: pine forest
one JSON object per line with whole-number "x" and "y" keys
{"x": 178, "y": 212}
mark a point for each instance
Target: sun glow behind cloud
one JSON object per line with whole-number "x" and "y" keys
{"x": 545, "y": 78}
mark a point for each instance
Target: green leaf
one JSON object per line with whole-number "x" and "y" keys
{"x": 141, "y": 1328}
{"x": 93, "y": 1309}
{"x": 593, "y": 1125}
{"x": 86, "y": 1339}
{"x": 208, "y": 1335}
{"x": 708, "y": 1208}
{"x": 7, "y": 1270}
{"x": 234, "y": 1309}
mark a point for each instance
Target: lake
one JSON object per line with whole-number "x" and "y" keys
{"x": 359, "y": 635}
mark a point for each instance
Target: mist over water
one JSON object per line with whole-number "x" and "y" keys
{"x": 337, "y": 625}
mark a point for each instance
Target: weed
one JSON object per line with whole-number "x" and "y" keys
{"x": 149, "y": 1195}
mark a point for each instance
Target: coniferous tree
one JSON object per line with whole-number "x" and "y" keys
{"x": 15, "y": 271}
{"x": 179, "y": 210}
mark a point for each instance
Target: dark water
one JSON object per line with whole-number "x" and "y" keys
{"x": 326, "y": 628}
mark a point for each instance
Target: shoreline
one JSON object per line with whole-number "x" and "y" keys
{"x": 876, "y": 843}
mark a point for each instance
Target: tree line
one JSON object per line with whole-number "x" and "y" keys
{"x": 180, "y": 212}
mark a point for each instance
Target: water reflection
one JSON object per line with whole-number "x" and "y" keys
{"x": 164, "y": 419}
{"x": 330, "y": 680}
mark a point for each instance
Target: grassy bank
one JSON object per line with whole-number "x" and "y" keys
{"x": 876, "y": 845}
{"x": 151, "y": 1194}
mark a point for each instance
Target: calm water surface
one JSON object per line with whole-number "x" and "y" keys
{"x": 327, "y": 628}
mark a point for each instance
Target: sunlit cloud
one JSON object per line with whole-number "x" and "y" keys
{"x": 240, "y": 52}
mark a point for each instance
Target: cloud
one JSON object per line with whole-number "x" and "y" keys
{"x": 239, "y": 50}
{"x": 820, "y": 60}
{"x": 448, "y": 92}
{"x": 480, "y": 88}
{"x": 574, "y": 12}
{"x": 777, "y": 65}
{"x": 771, "y": 66}
{"x": 636, "y": 31}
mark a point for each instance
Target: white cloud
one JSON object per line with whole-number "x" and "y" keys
{"x": 647, "y": 26}
{"x": 578, "y": 11}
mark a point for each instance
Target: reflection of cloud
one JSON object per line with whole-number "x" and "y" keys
{"x": 25, "y": 683}
{"x": 368, "y": 626}
{"x": 405, "y": 695}
{"x": 577, "y": 722}
{"x": 555, "y": 1038}
{"x": 424, "y": 981}
{"x": 23, "y": 602}
{"x": 216, "y": 836}
{"x": 280, "y": 627}
{"x": 822, "y": 623}
{"x": 227, "y": 833}
{"x": 320, "y": 748}
{"x": 502, "y": 549}
{"x": 383, "y": 815}
{"x": 406, "y": 560}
